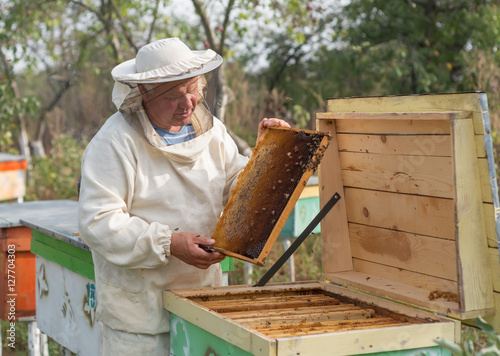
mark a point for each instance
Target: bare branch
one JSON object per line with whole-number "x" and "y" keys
{"x": 126, "y": 31}
{"x": 92, "y": 10}
{"x": 205, "y": 22}
{"x": 229, "y": 8}
{"x": 114, "y": 42}
{"x": 155, "y": 17}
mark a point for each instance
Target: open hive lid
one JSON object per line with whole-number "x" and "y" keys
{"x": 417, "y": 220}
{"x": 266, "y": 192}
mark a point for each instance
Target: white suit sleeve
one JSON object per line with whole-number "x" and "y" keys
{"x": 108, "y": 177}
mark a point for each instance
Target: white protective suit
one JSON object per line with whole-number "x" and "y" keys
{"x": 135, "y": 192}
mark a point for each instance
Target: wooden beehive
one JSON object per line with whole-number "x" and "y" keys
{"x": 312, "y": 318}
{"x": 413, "y": 238}
{"x": 420, "y": 193}
{"x": 12, "y": 176}
{"x": 266, "y": 192}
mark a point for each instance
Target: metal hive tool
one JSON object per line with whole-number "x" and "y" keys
{"x": 266, "y": 192}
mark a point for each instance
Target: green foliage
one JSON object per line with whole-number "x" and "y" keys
{"x": 21, "y": 342}
{"x": 411, "y": 47}
{"x": 489, "y": 344}
{"x": 56, "y": 176}
{"x": 10, "y": 109}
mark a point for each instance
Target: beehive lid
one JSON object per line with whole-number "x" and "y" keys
{"x": 11, "y": 214}
{"x": 417, "y": 220}
{"x": 266, "y": 192}
{"x": 9, "y": 162}
{"x": 57, "y": 219}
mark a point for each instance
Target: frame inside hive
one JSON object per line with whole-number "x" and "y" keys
{"x": 280, "y": 311}
{"x": 266, "y": 192}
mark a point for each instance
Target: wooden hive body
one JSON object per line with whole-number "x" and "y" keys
{"x": 418, "y": 220}
{"x": 417, "y": 225}
{"x": 309, "y": 318}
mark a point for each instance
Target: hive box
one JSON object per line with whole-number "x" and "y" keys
{"x": 65, "y": 284}
{"x": 410, "y": 238}
{"x": 12, "y": 176}
{"x": 17, "y": 263}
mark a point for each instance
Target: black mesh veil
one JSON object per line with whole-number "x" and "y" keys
{"x": 210, "y": 82}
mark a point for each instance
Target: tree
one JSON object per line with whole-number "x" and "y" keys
{"x": 414, "y": 46}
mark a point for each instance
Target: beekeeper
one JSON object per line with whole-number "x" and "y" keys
{"x": 155, "y": 179}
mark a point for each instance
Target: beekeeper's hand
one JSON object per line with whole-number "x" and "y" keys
{"x": 270, "y": 123}
{"x": 186, "y": 247}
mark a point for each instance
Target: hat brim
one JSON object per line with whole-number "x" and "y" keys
{"x": 128, "y": 67}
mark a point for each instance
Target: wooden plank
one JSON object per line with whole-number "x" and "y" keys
{"x": 19, "y": 236}
{"x": 12, "y": 184}
{"x": 489, "y": 219}
{"x": 480, "y": 146}
{"x": 421, "y": 175}
{"x": 306, "y": 317}
{"x": 402, "y": 292}
{"x": 486, "y": 191}
{"x": 476, "y": 292}
{"x": 284, "y": 330}
{"x": 77, "y": 263}
{"x": 407, "y": 116}
{"x": 229, "y": 292}
{"x": 493, "y": 320}
{"x": 495, "y": 268}
{"x": 291, "y": 311}
{"x": 265, "y": 306}
{"x": 412, "y": 252}
{"x": 410, "y": 213}
{"x": 336, "y": 249}
{"x": 415, "y": 145}
{"x": 388, "y": 340}
{"x": 408, "y": 103}
{"x": 406, "y": 277}
{"x": 269, "y": 300}
{"x": 236, "y": 334}
{"x": 381, "y": 300}
{"x": 393, "y": 127}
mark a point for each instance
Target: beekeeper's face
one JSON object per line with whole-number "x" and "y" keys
{"x": 170, "y": 105}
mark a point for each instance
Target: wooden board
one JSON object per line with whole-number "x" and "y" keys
{"x": 410, "y": 213}
{"x": 475, "y": 288}
{"x": 414, "y": 279}
{"x": 406, "y": 251}
{"x": 398, "y": 173}
{"x": 267, "y": 191}
{"x": 336, "y": 248}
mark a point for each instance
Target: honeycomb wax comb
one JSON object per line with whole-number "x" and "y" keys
{"x": 266, "y": 192}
